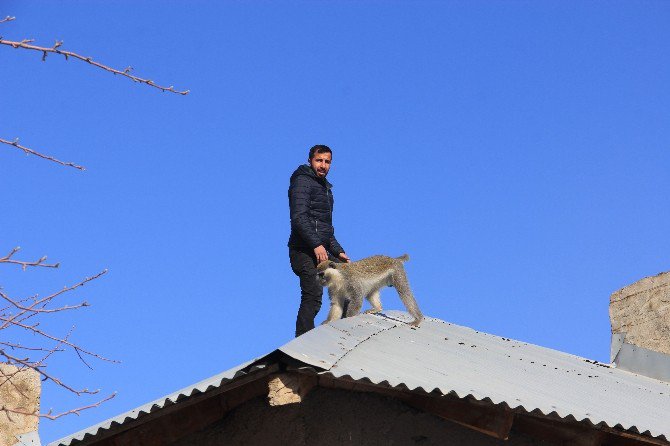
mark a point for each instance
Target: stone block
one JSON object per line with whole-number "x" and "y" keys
{"x": 642, "y": 311}
{"x": 19, "y": 392}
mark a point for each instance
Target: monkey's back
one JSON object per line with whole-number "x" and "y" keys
{"x": 375, "y": 264}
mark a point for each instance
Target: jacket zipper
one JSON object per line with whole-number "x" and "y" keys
{"x": 330, "y": 210}
{"x": 330, "y": 205}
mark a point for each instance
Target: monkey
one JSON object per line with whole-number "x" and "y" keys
{"x": 364, "y": 278}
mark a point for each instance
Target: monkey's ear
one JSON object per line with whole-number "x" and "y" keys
{"x": 331, "y": 264}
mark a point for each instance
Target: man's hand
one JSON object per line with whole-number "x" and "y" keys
{"x": 344, "y": 257}
{"x": 321, "y": 254}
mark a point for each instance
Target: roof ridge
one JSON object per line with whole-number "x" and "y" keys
{"x": 366, "y": 339}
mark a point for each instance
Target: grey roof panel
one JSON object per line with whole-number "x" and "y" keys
{"x": 450, "y": 359}
{"x": 201, "y": 387}
{"x": 324, "y": 347}
{"x": 447, "y": 358}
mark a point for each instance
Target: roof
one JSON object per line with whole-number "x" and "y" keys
{"x": 203, "y": 386}
{"x": 447, "y": 359}
{"x": 451, "y": 359}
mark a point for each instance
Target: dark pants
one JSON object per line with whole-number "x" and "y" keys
{"x": 303, "y": 264}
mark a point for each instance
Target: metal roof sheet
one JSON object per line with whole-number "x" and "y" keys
{"x": 173, "y": 398}
{"x": 451, "y": 359}
{"x": 447, "y": 358}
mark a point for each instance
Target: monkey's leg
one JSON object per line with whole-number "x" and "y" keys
{"x": 376, "y": 303}
{"x": 335, "y": 311}
{"x": 399, "y": 281}
{"x": 354, "y": 307}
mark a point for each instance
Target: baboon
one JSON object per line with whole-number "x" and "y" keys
{"x": 364, "y": 278}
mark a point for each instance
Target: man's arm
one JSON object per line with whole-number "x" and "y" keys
{"x": 298, "y": 200}
{"x": 335, "y": 247}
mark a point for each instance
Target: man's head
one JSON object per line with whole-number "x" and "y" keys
{"x": 320, "y": 157}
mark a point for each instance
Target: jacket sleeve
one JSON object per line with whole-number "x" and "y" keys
{"x": 298, "y": 200}
{"x": 335, "y": 247}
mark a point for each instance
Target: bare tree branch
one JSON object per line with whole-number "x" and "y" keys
{"x": 37, "y": 366}
{"x": 16, "y": 312}
{"x": 41, "y": 310}
{"x": 49, "y": 415}
{"x": 23, "y": 347}
{"x": 34, "y": 306}
{"x": 27, "y": 44}
{"x": 24, "y": 264}
{"x": 15, "y": 320}
{"x": 28, "y": 151}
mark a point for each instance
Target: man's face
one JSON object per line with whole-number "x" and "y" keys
{"x": 320, "y": 163}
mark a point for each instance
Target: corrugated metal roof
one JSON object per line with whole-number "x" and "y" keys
{"x": 450, "y": 359}
{"x": 173, "y": 398}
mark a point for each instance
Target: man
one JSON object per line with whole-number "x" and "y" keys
{"x": 312, "y": 237}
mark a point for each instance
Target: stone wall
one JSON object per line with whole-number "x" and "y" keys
{"x": 19, "y": 391}
{"x": 642, "y": 312}
{"x": 331, "y": 417}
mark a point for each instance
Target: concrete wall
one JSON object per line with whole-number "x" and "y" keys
{"x": 331, "y": 417}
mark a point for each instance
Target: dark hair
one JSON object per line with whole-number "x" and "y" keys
{"x": 319, "y": 148}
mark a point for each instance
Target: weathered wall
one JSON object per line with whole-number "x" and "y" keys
{"x": 19, "y": 391}
{"x": 330, "y": 417}
{"x": 642, "y": 311}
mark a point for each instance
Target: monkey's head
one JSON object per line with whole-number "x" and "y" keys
{"x": 326, "y": 272}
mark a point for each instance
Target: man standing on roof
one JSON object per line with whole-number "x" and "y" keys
{"x": 312, "y": 237}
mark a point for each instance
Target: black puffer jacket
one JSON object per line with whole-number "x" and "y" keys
{"x": 311, "y": 203}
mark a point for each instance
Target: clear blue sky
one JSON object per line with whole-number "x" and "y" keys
{"x": 518, "y": 151}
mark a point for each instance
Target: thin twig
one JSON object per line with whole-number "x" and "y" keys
{"x": 53, "y": 338}
{"x": 26, "y": 44}
{"x": 19, "y": 346}
{"x": 50, "y": 415}
{"x": 28, "y": 151}
{"x": 24, "y": 264}
{"x": 42, "y": 309}
{"x": 35, "y": 366}
{"x": 7, "y": 19}
{"x": 16, "y": 319}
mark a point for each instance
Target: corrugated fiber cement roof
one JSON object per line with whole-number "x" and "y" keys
{"x": 451, "y": 359}
{"x": 447, "y": 358}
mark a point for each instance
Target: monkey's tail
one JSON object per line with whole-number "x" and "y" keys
{"x": 403, "y": 258}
